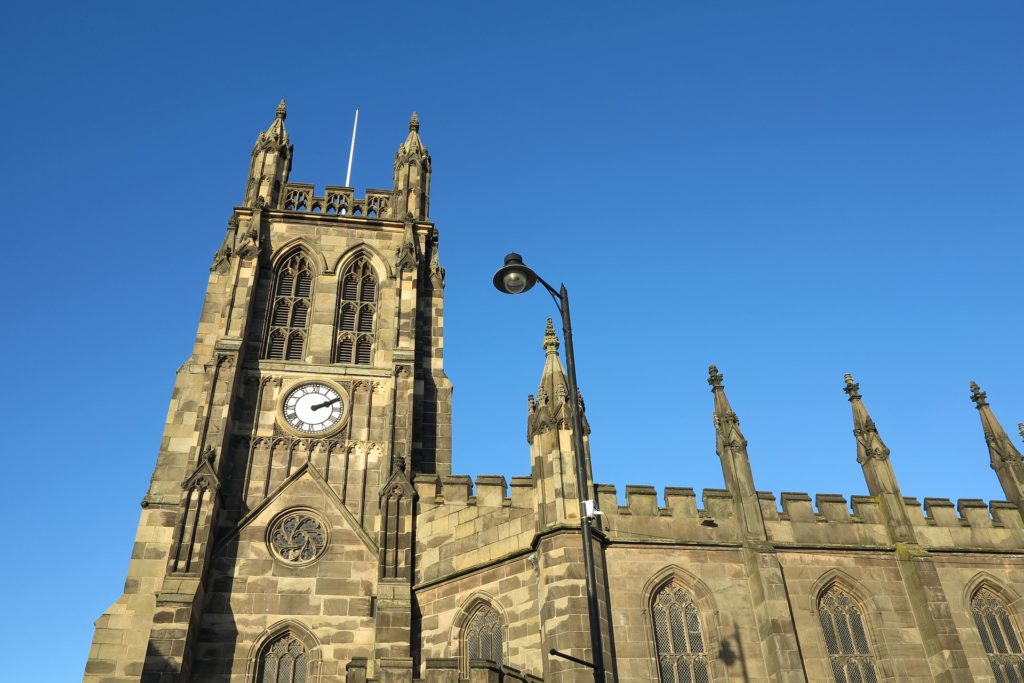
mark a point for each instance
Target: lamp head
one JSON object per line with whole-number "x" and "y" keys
{"x": 514, "y": 277}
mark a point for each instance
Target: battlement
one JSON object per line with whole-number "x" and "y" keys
{"x": 642, "y": 501}
{"x": 796, "y": 518}
{"x": 488, "y": 490}
{"x": 336, "y": 201}
{"x": 461, "y": 527}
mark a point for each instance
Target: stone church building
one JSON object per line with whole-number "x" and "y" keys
{"x": 303, "y": 523}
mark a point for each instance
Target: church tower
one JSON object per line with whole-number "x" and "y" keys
{"x": 313, "y": 397}
{"x": 303, "y": 523}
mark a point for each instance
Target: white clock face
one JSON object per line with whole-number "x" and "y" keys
{"x": 313, "y": 408}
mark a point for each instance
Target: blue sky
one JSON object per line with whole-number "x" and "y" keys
{"x": 791, "y": 190}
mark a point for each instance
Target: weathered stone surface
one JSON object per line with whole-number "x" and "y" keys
{"x": 398, "y": 555}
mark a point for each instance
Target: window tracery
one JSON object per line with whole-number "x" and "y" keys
{"x": 679, "y": 638}
{"x": 845, "y": 638}
{"x": 289, "y": 310}
{"x": 357, "y": 314}
{"x": 298, "y": 537}
{"x": 483, "y": 637}
{"x": 999, "y": 635}
{"x": 283, "y": 660}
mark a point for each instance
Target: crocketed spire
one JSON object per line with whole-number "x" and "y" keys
{"x": 412, "y": 176}
{"x": 1000, "y": 448}
{"x": 554, "y": 389}
{"x": 271, "y": 162}
{"x": 869, "y": 443}
{"x": 727, "y": 425}
{"x": 413, "y": 145}
{"x": 551, "y": 406}
{"x": 276, "y": 134}
{"x": 550, "y": 338}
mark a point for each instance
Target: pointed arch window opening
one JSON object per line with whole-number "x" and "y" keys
{"x": 357, "y": 314}
{"x": 999, "y": 635}
{"x": 842, "y": 624}
{"x": 679, "y": 637}
{"x": 483, "y": 637}
{"x": 289, "y": 310}
{"x": 283, "y": 660}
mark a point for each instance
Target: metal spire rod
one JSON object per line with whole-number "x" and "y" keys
{"x": 352, "y": 150}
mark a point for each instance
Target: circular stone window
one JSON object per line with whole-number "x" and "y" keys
{"x": 297, "y": 537}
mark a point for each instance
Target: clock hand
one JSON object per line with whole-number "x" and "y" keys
{"x": 325, "y": 403}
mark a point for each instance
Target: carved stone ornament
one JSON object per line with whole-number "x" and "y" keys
{"x": 297, "y": 537}
{"x": 201, "y": 483}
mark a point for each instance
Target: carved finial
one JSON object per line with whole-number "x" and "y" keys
{"x": 1020, "y": 428}
{"x": 714, "y": 377}
{"x": 978, "y": 396}
{"x": 414, "y": 122}
{"x": 282, "y": 111}
{"x": 550, "y": 338}
{"x": 852, "y": 389}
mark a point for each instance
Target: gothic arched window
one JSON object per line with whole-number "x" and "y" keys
{"x": 845, "y": 637}
{"x": 289, "y": 309}
{"x": 283, "y": 660}
{"x": 999, "y": 635}
{"x": 357, "y": 314}
{"x": 483, "y": 637}
{"x": 682, "y": 654}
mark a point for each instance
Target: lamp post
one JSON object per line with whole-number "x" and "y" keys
{"x": 515, "y": 278}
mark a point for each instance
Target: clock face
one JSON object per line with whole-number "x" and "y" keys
{"x": 313, "y": 408}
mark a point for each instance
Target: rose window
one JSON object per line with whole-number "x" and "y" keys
{"x": 298, "y": 537}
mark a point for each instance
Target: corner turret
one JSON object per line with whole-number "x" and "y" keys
{"x": 549, "y": 433}
{"x": 412, "y": 176}
{"x": 271, "y": 163}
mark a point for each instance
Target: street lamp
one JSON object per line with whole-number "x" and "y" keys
{"x": 515, "y": 278}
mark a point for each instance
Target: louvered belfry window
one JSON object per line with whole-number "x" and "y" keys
{"x": 289, "y": 311}
{"x": 484, "y": 637}
{"x": 999, "y": 635}
{"x": 357, "y": 314}
{"x": 845, "y": 637}
{"x": 682, "y": 654}
{"x": 283, "y": 660}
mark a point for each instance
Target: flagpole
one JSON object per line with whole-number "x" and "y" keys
{"x": 352, "y": 150}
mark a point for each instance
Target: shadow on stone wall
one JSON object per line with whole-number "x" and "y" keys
{"x": 730, "y": 656}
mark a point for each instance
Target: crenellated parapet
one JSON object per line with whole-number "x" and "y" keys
{"x": 798, "y": 519}
{"x": 460, "y": 527}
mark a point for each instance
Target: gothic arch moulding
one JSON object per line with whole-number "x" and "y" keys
{"x": 479, "y": 631}
{"x": 465, "y": 611}
{"x": 995, "y": 610}
{"x": 310, "y": 249}
{"x": 379, "y": 263}
{"x": 707, "y": 611}
{"x": 1007, "y": 595}
{"x": 869, "y": 609}
{"x": 285, "y": 627}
